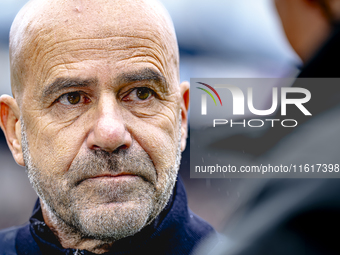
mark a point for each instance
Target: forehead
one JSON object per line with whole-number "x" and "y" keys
{"x": 89, "y": 16}
{"x": 76, "y": 31}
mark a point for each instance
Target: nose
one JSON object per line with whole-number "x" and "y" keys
{"x": 109, "y": 131}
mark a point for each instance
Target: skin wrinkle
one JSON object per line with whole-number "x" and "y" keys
{"x": 55, "y": 66}
{"x": 152, "y": 57}
{"x": 67, "y": 83}
{"x": 64, "y": 63}
{"x": 76, "y": 39}
{"x": 146, "y": 74}
{"x": 56, "y": 44}
{"x": 46, "y": 125}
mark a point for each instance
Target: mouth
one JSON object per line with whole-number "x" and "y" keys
{"x": 110, "y": 177}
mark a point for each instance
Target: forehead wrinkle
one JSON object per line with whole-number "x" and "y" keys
{"x": 95, "y": 51}
{"x": 63, "y": 83}
{"x": 145, "y": 74}
{"x": 157, "y": 22}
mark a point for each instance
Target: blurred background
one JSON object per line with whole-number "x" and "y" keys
{"x": 217, "y": 39}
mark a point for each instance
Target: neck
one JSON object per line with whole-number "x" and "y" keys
{"x": 70, "y": 237}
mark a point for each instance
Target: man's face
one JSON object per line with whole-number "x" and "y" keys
{"x": 100, "y": 118}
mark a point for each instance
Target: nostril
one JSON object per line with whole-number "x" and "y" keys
{"x": 123, "y": 147}
{"x": 120, "y": 148}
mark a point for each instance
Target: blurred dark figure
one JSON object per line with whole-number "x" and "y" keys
{"x": 297, "y": 216}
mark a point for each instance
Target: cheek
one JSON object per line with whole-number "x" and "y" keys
{"x": 53, "y": 146}
{"x": 158, "y": 136}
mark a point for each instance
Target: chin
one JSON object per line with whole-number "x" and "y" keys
{"x": 117, "y": 220}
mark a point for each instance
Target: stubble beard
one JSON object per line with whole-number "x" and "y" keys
{"x": 72, "y": 203}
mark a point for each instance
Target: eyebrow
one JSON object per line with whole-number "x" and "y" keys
{"x": 146, "y": 74}
{"x": 64, "y": 83}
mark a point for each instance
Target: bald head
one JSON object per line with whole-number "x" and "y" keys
{"x": 44, "y": 30}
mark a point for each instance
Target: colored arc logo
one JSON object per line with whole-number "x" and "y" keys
{"x": 209, "y": 92}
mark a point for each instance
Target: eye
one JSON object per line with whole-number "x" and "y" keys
{"x": 73, "y": 98}
{"x": 141, "y": 93}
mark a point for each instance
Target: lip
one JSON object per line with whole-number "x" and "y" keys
{"x": 113, "y": 176}
{"x": 109, "y": 177}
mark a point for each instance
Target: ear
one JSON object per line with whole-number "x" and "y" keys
{"x": 10, "y": 125}
{"x": 184, "y": 88}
